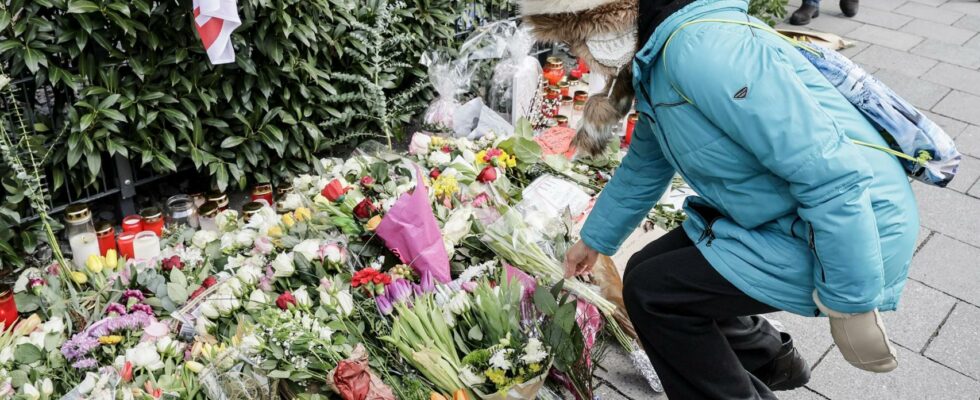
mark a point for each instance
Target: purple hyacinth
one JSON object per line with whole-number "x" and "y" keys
{"x": 85, "y": 363}
{"x": 399, "y": 291}
{"x": 116, "y": 308}
{"x": 384, "y": 306}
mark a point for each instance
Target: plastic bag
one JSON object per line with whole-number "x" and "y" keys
{"x": 449, "y": 77}
{"x": 515, "y": 78}
{"x": 481, "y": 52}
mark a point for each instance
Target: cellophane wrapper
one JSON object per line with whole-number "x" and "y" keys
{"x": 449, "y": 77}
{"x": 515, "y": 77}
{"x": 526, "y": 390}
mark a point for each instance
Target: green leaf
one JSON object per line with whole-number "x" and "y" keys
{"x": 177, "y": 292}
{"x": 544, "y": 301}
{"x": 28, "y": 241}
{"x": 279, "y": 374}
{"x": 231, "y": 141}
{"x": 115, "y": 115}
{"x": 33, "y": 58}
{"x": 176, "y": 276}
{"x": 8, "y": 45}
{"x": 27, "y": 353}
{"x": 81, "y": 6}
{"x": 475, "y": 333}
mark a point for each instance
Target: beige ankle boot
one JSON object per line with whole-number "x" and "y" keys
{"x": 861, "y": 339}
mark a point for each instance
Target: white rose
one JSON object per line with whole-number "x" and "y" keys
{"x": 31, "y": 392}
{"x": 202, "y": 238}
{"x": 169, "y": 347}
{"x": 6, "y": 354}
{"x": 257, "y": 300}
{"x": 209, "y": 310}
{"x": 235, "y": 286}
{"x": 227, "y": 242}
{"x": 345, "y": 302}
{"x": 248, "y": 274}
{"x": 144, "y": 355}
{"x": 439, "y": 158}
{"x": 352, "y": 167}
{"x": 283, "y": 265}
{"x": 225, "y": 301}
{"x": 308, "y": 248}
{"x": 291, "y": 202}
{"x": 54, "y": 325}
{"x": 250, "y": 344}
{"x": 47, "y": 387}
{"x": 420, "y": 144}
{"x": 332, "y": 253}
{"x": 227, "y": 220}
{"x": 302, "y": 297}
{"x": 203, "y": 326}
{"x": 244, "y": 238}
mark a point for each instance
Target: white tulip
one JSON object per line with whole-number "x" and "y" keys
{"x": 257, "y": 300}
{"x": 345, "y": 303}
{"x": 145, "y": 355}
{"x": 203, "y": 237}
{"x": 248, "y": 274}
{"x": 235, "y": 286}
{"x": 308, "y": 248}
{"x": 31, "y": 392}
{"x": 302, "y": 297}
{"x": 47, "y": 387}
{"x": 208, "y": 310}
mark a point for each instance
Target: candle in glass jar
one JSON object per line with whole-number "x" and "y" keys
{"x": 198, "y": 198}
{"x": 263, "y": 193}
{"x": 181, "y": 211}
{"x": 132, "y": 224}
{"x": 562, "y": 121}
{"x": 126, "y": 245}
{"x": 152, "y": 220}
{"x": 146, "y": 245}
{"x": 220, "y": 199}
{"x": 206, "y": 214}
{"x": 565, "y": 87}
{"x": 107, "y": 237}
{"x": 554, "y": 70}
{"x": 8, "y": 307}
{"x": 83, "y": 245}
{"x": 81, "y": 234}
{"x": 578, "y": 101}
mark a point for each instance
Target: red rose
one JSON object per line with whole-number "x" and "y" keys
{"x": 197, "y": 292}
{"x": 171, "y": 263}
{"x": 434, "y": 173}
{"x": 489, "y": 174}
{"x": 334, "y": 190}
{"x": 285, "y": 299}
{"x": 367, "y": 180}
{"x": 127, "y": 372}
{"x": 447, "y": 149}
{"x": 210, "y": 281}
{"x": 365, "y": 209}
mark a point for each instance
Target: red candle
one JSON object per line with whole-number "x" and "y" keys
{"x": 152, "y": 220}
{"x": 262, "y": 192}
{"x": 8, "y": 308}
{"x": 132, "y": 224}
{"x": 554, "y": 70}
{"x": 126, "y": 245}
{"x": 630, "y": 125}
{"x": 107, "y": 237}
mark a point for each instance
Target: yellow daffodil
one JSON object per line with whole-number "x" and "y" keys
{"x": 110, "y": 340}
{"x": 445, "y": 185}
{"x": 79, "y": 277}
{"x": 511, "y": 162}
{"x": 303, "y": 214}
{"x": 111, "y": 259}
{"x": 95, "y": 263}
{"x": 275, "y": 232}
{"x": 287, "y": 219}
{"x": 373, "y": 223}
{"x": 481, "y": 157}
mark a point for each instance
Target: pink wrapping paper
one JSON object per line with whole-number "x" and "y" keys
{"x": 525, "y": 280}
{"x": 410, "y": 230}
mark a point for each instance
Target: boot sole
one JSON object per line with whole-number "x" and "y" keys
{"x": 795, "y": 383}
{"x": 801, "y": 23}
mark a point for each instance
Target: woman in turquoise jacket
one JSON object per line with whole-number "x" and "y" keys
{"x": 789, "y": 211}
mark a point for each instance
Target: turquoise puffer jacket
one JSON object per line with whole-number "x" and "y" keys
{"x": 786, "y": 202}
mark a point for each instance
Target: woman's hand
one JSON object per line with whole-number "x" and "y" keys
{"x": 579, "y": 259}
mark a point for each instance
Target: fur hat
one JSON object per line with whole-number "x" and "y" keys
{"x": 573, "y": 22}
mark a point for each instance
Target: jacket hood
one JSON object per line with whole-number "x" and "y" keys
{"x": 650, "y": 51}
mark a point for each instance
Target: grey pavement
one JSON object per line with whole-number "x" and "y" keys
{"x": 928, "y": 51}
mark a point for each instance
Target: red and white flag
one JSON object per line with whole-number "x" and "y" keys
{"x": 215, "y": 21}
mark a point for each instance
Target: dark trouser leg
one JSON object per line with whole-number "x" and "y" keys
{"x": 697, "y": 328}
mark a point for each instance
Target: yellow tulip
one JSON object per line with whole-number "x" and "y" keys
{"x": 287, "y": 219}
{"x": 95, "y": 263}
{"x": 303, "y": 214}
{"x": 111, "y": 259}
{"x": 373, "y": 223}
{"x": 275, "y": 231}
{"x": 194, "y": 366}
{"x": 79, "y": 277}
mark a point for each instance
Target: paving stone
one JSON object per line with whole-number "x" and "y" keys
{"x": 929, "y": 13}
{"x": 952, "y": 127}
{"x": 958, "y": 343}
{"x": 975, "y": 190}
{"x": 885, "y": 19}
{"x": 961, "y": 106}
{"x": 963, "y": 6}
{"x": 973, "y": 43}
{"x": 963, "y": 79}
{"x": 950, "y": 213}
{"x": 938, "y": 31}
{"x": 618, "y": 371}
{"x": 915, "y": 378}
{"x": 811, "y": 336}
{"x": 839, "y": 25}
{"x": 964, "y": 56}
{"x": 934, "y": 3}
{"x": 968, "y": 142}
{"x": 967, "y": 175}
{"x": 605, "y": 392}
{"x": 949, "y": 265}
{"x": 971, "y": 22}
{"x": 919, "y": 314}
{"x": 884, "y": 57}
{"x": 923, "y": 235}
{"x": 886, "y": 5}
{"x": 886, "y": 37}
{"x": 920, "y": 93}
{"x": 800, "y": 394}
{"x": 856, "y": 48}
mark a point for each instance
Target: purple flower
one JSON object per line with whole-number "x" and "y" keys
{"x": 85, "y": 363}
{"x": 81, "y": 344}
{"x": 427, "y": 282}
{"x": 384, "y": 306}
{"x": 34, "y": 282}
{"x": 133, "y": 293}
{"x": 53, "y": 269}
{"x": 469, "y": 287}
{"x": 142, "y": 307}
{"x": 399, "y": 291}
{"x": 116, "y": 308}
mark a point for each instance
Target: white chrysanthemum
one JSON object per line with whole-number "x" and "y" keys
{"x": 203, "y": 237}
{"x": 460, "y": 303}
{"x": 249, "y": 274}
{"x": 292, "y": 201}
{"x": 439, "y": 158}
{"x": 534, "y": 352}
{"x": 227, "y": 220}
{"x": 308, "y": 248}
{"x": 501, "y": 359}
{"x": 471, "y": 378}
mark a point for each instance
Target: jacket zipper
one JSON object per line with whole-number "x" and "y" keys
{"x": 708, "y": 232}
{"x": 813, "y": 247}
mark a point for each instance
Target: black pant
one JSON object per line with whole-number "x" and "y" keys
{"x": 701, "y": 332}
